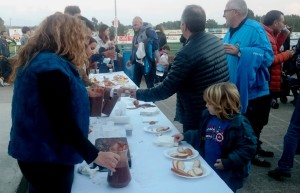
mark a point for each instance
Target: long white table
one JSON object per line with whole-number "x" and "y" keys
{"x": 151, "y": 169}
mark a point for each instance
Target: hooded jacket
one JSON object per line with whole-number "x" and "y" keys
{"x": 238, "y": 147}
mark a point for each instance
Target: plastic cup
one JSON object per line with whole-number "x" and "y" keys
{"x": 128, "y": 128}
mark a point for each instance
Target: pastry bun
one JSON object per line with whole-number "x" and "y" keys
{"x": 195, "y": 172}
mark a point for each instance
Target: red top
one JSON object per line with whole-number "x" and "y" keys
{"x": 279, "y": 57}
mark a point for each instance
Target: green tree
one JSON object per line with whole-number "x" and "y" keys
{"x": 293, "y": 21}
{"x": 210, "y": 23}
{"x": 171, "y": 25}
{"x": 250, "y": 14}
{"x": 95, "y": 23}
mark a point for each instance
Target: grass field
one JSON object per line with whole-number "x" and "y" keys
{"x": 123, "y": 47}
{"x": 174, "y": 47}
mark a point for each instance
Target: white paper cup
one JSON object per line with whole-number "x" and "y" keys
{"x": 128, "y": 128}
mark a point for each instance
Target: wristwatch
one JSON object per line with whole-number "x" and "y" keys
{"x": 115, "y": 92}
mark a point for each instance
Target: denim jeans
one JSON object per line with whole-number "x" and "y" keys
{"x": 291, "y": 140}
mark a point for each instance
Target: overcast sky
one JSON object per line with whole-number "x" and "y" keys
{"x": 32, "y": 12}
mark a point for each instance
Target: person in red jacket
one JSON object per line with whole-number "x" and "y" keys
{"x": 277, "y": 34}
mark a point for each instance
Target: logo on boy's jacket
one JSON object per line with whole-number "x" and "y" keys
{"x": 219, "y": 137}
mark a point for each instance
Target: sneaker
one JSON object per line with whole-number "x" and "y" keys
{"x": 264, "y": 153}
{"x": 275, "y": 105}
{"x": 283, "y": 99}
{"x": 259, "y": 161}
{"x": 1, "y": 82}
{"x": 277, "y": 174}
{"x": 6, "y": 84}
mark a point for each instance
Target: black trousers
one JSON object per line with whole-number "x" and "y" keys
{"x": 5, "y": 68}
{"x": 48, "y": 178}
{"x": 258, "y": 111}
{"x": 139, "y": 71}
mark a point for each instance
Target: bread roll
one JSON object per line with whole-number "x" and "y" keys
{"x": 197, "y": 164}
{"x": 160, "y": 129}
{"x": 180, "y": 150}
{"x": 181, "y": 172}
{"x": 195, "y": 172}
{"x": 178, "y": 164}
{"x": 179, "y": 155}
{"x": 188, "y": 151}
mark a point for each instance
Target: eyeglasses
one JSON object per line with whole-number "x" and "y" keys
{"x": 227, "y": 10}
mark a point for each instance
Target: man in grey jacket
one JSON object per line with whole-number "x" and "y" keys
{"x": 197, "y": 65}
{"x": 144, "y": 33}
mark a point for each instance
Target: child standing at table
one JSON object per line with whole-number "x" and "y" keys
{"x": 225, "y": 138}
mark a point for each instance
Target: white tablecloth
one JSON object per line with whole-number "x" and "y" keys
{"x": 151, "y": 169}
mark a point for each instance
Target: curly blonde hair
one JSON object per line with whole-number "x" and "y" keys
{"x": 225, "y": 99}
{"x": 59, "y": 33}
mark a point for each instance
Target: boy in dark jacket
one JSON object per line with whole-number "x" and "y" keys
{"x": 225, "y": 138}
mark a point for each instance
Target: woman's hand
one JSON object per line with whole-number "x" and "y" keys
{"x": 128, "y": 64}
{"x": 178, "y": 137}
{"x": 108, "y": 160}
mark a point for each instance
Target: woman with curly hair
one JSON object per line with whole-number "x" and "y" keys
{"x": 50, "y": 107}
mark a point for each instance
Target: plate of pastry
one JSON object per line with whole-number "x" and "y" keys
{"x": 157, "y": 129}
{"x": 190, "y": 169}
{"x": 181, "y": 153}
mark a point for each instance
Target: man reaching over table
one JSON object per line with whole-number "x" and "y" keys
{"x": 199, "y": 64}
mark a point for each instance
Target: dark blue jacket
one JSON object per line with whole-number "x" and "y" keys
{"x": 199, "y": 64}
{"x": 32, "y": 137}
{"x": 4, "y": 49}
{"x": 239, "y": 147}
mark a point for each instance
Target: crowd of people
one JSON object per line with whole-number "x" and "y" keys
{"x": 225, "y": 90}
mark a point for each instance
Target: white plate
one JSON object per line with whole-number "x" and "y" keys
{"x": 152, "y": 129}
{"x": 167, "y": 153}
{"x": 149, "y": 119}
{"x": 149, "y": 111}
{"x": 188, "y": 165}
{"x": 120, "y": 119}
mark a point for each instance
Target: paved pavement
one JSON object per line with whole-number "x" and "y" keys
{"x": 258, "y": 182}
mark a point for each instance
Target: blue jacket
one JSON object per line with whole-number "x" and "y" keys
{"x": 250, "y": 71}
{"x": 239, "y": 146}
{"x": 4, "y": 49}
{"x": 32, "y": 138}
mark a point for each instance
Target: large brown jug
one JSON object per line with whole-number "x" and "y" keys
{"x": 96, "y": 101}
{"x": 121, "y": 177}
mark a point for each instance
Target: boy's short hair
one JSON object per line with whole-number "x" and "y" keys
{"x": 166, "y": 47}
{"x": 72, "y": 10}
{"x": 25, "y": 29}
{"x": 88, "y": 23}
